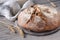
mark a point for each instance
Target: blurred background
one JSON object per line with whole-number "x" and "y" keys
{"x": 5, "y": 33}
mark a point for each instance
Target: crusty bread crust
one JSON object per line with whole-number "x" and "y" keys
{"x": 39, "y": 18}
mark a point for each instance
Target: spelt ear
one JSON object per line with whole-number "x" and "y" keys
{"x": 27, "y": 4}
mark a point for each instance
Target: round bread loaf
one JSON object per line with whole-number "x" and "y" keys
{"x": 39, "y": 18}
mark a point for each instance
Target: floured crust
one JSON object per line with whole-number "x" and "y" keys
{"x": 39, "y": 18}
